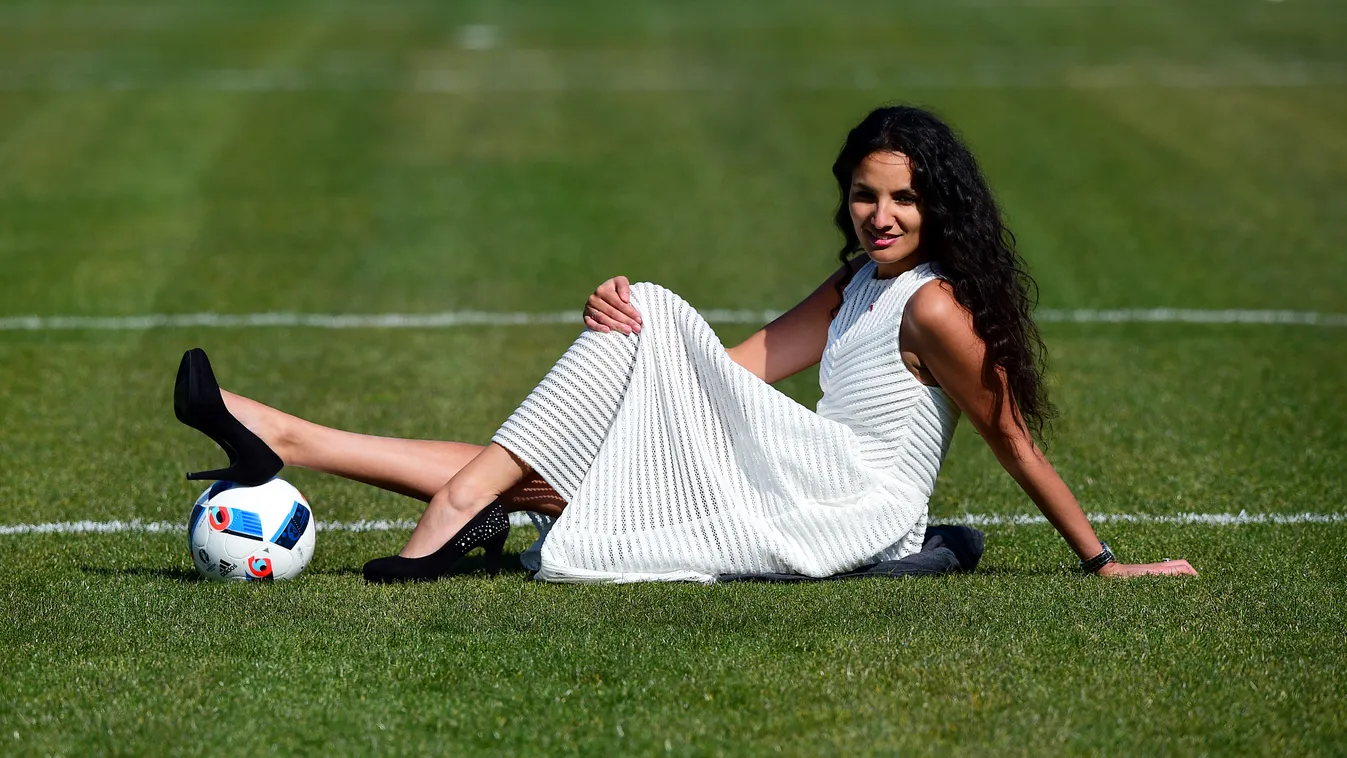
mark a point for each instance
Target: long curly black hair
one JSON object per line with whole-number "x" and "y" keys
{"x": 963, "y": 235}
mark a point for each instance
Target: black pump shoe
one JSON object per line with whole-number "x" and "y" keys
{"x": 198, "y": 404}
{"x": 487, "y": 529}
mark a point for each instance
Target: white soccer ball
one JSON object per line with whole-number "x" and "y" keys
{"x": 251, "y": 533}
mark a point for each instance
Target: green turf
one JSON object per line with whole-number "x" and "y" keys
{"x": 1023, "y": 658}
{"x": 1148, "y": 154}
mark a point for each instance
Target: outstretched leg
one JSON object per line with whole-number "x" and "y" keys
{"x": 416, "y": 468}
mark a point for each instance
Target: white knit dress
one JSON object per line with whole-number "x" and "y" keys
{"x": 677, "y": 463}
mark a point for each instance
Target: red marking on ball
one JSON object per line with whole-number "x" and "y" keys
{"x": 219, "y": 518}
{"x": 259, "y": 567}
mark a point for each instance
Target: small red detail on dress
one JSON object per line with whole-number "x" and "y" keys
{"x": 872, "y": 306}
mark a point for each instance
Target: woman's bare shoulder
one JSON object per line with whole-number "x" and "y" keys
{"x": 933, "y": 313}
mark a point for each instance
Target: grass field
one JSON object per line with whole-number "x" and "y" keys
{"x": 357, "y": 158}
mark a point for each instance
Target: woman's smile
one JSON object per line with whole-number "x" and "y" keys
{"x": 879, "y": 240}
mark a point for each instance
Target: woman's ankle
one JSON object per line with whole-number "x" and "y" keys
{"x": 276, "y": 428}
{"x": 442, "y": 520}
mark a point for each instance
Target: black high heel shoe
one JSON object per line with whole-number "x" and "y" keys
{"x": 198, "y": 404}
{"x": 487, "y": 529}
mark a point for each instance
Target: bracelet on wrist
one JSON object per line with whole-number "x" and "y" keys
{"x": 1104, "y": 558}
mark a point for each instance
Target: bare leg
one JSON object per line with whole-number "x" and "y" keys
{"x": 478, "y": 484}
{"x": 416, "y": 468}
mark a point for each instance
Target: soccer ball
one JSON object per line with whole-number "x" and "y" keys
{"x": 251, "y": 533}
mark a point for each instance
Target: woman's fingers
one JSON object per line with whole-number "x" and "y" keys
{"x": 1179, "y": 567}
{"x": 607, "y": 304}
{"x": 604, "y": 313}
{"x": 1170, "y": 568}
{"x": 617, "y": 293}
{"x": 610, "y": 308}
{"x": 602, "y": 322}
{"x": 592, "y": 324}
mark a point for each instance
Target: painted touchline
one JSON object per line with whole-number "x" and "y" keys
{"x": 447, "y": 319}
{"x": 1242, "y": 518}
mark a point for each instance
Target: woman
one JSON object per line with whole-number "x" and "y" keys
{"x": 673, "y": 458}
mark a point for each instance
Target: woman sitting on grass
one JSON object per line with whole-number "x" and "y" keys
{"x": 665, "y": 456}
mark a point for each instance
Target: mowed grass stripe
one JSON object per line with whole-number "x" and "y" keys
{"x": 380, "y": 229}
{"x": 132, "y": 171}
{"x": 560, "y": 76}
{"x": 312, "y": 181}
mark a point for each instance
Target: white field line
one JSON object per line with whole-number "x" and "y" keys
{"x": 1204, "y": 519}
{"x": 505, "y": 318}
{"x": 520, "y": 519}
{"x": 1189, "y": 316}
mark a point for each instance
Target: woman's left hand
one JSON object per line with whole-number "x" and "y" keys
{"x": 1178, "y": 567}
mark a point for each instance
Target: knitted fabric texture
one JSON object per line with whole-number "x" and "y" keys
{"x": 678, "y": 464}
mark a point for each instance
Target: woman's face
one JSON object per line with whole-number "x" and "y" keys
{"x": 885, "y": 211}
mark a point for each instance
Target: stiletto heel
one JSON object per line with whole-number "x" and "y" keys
{"x": 494, "y": 547}
{"x": 197, "y": 403}
{"x": 487, "y": 529}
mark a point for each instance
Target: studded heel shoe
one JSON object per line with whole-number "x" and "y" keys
{"x": 487, "y": 529}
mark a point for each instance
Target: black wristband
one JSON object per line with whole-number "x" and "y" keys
{"x": 1104, "y": 558}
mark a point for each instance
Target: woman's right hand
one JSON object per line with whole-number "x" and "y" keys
{"x": 1178, "y": 567}
{"x": 610, "y": 308}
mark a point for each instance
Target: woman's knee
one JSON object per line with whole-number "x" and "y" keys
{"x": 643, "y": 292}
{"x": 656, "y": 301}
{"x": 533, "y": 493}
{"x": 463, "y": 493}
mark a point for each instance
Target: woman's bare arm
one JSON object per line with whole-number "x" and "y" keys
{"x": 790, "y": 344}
{"x": 939, "y": 331}
{"x": 795, "y": 340}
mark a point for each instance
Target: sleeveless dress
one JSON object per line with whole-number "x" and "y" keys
{"x": 678, "y": 464}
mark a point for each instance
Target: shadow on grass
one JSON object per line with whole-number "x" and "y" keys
{"x": 180, "y": 575}
{"x": 509, "y": 564}
{"x": 472, "y": 564}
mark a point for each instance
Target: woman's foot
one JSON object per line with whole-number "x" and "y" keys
{"x": 276, "y": 428}
{"x": 488, "y": 529}
{"x": 199, "y": 403}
